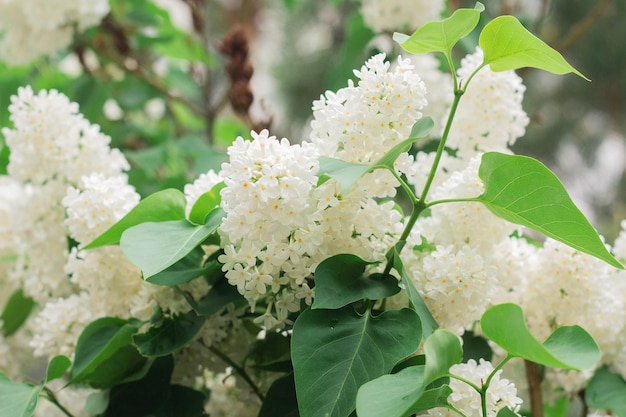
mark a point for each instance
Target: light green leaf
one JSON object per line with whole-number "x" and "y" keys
{"x": 346, "y": 173}
{"x": 154, "y": 247}
{"x": 339, "y": 281}
{"x": 15, "y": 313}
{"x": 523, "y": 191}
{"x": 17, "y": 400}
{"x": 172, "y": 334}
{"x": 161, "y": 206}
{"x": 186, "y": 269}
{"x": 403, "y": 393}
{"x": 103, "y": 352}
{"x": 506, "y": 412}
{"x": 442, "y": 35}
{"x": 417, "y": 303}
{"x": 507, "y": 45}
{"x": 334, "y": 352}
{"x": 607, "y": 391}
{"x": 205, "y": 203}
{"x": 391, "y": 395}
{"x": 443, "y": 349}
{"x": 568, "y": 347}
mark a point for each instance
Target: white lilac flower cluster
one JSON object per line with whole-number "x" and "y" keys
{"x": 501, "y": 393}
{"x": 33, "y": 28}
{"x": 393, "y": 15}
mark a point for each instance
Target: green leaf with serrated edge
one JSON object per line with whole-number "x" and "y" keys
{"x": 57, "y": 367}
{"x": 507, "y": 45}
{"x": 442, "y": 35}
{"x": 17, "y": 400}
{"x": 568, "y": 347}
{"x": 280, "y": 400}
{"x": 161, "y": 206}
{"x": 607, "y": 391}
{"x": 428, "y": 322}
{"x": 420, "y": 129}
{"x": 172, "y": 334}
{"x": 15, "y": 313}
{"x": 346, "y": 173}
{"x": 187, "y": 269}
{"x": 523, "y": 191}
{"x": 397, "y": 394}
{"x": 154, "y": 247}
{"x": 443, "y": 349}
{"x": 99, "y": 341}
{"x": 334, "y": 352}
{"x": 339, "y": 281}
{"x": 391, "y": 395}
{"x": 205, "y": 203}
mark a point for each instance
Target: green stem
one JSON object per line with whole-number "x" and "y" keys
{"x": 242, "y": 372}
{"x": 466, "y": 381}
{"x": 53, "y": 399}
{"x": 458, "y": 93}
{"x": 483, "y": 391}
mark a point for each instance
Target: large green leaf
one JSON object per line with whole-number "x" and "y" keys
{"x": 607, "y": 391}
{"x": 568, "y": 347}
{"x": 171, "y": 335}
{"x": 507, "y": 45}
{"x": 400, "y": 394}
{"x": 417, "y": 303}
{"x": 154, "y": 247}
{"x": 339, "y": 281}
{"x": 103, "y": 352}
{"x": 523, "y": 191}
{"x": 280, "y": 400}
{"x": 15, "y": 312}
{"x": 442, "y": 35}
{"x": 17, "y": 400}
{"x": 161, "y": 206}
{"x": 334, "y": 352}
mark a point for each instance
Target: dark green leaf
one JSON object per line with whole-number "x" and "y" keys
{"x": 183, "y": 402}
{"x": 441, "y": 36}
{"x": 339, "y": 281}
{"x": 219, "y": 296}
{"x": 428, "y": 322}
{"x": 205, "y": 204}
{"x": 431, "y": 398}
{"x": 145, "y": 396}
{"x": 334, "y": 352}
{"x": 57, "y": 367}
{"x": 17, "y": 400}
{"x": 154, "y": 247}
{"x": 507, "y": 45}
{"x": 475, "y": 347}
{"x": 172, "y": 334}
{"x": 523, "y": 191}
{"x": 104, "y": 339}
{"x": 568, "y": 347}
{"x": 607, "y": 391}
{"x": 161, "y": 206}
{"x": 280, "y": 400}
{"x": 15, "y": 313}
{"x": 184, "y": 270}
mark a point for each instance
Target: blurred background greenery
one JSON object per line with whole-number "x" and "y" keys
{"x": 173, "y": 82}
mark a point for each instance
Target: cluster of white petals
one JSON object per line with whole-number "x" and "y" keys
{"x": 501, "y": 393}
{"x": 33, "y": 28}
{"x": 392, "y": 15}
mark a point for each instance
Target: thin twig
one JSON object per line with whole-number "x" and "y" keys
{"x": 579, "y": 29}
{"x": 53, "y": 399}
